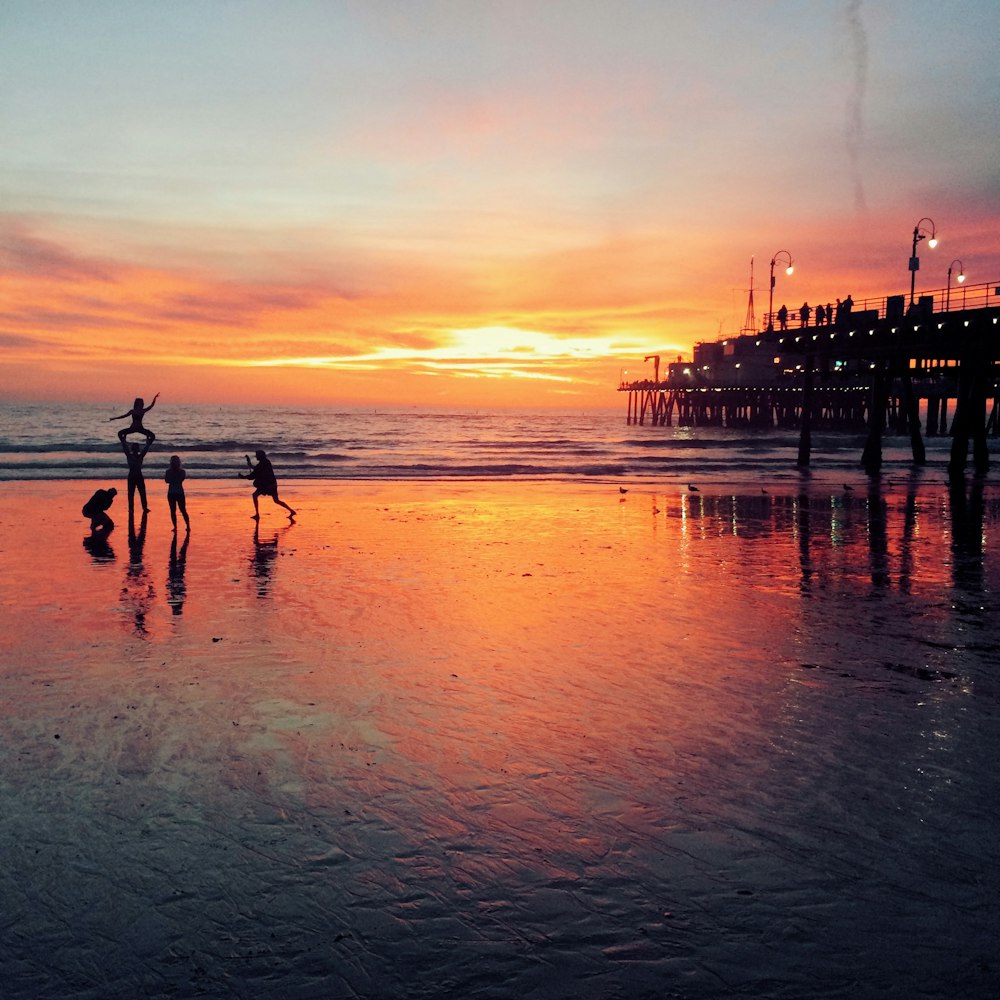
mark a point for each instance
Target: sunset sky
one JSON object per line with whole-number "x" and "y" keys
{"x": 466, "y": 202}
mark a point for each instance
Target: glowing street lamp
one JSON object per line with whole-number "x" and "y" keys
{"x": 960, "y": 278}
{"x": 920, "y": 232}
{"x": 770, "y": 301}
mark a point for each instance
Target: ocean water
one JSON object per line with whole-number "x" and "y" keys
{"x": 78, "y": 441}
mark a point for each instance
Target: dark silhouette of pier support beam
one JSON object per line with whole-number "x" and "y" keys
{"x": 805, "y": 424}
{"x": 980, "y": 445}
{"x": 871, "y": 457}
{"x": 933, "y": 415}
{"x": 912, "y": 409}
{"x": 969, "y": 424}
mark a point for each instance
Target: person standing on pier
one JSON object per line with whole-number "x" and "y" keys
{"x": 783, "y": 318}
{"x": 829, "y": 314}
{"x": 804, "y": 313}
{"x": 820, "y": 315}
{"x": 847, "y": 305}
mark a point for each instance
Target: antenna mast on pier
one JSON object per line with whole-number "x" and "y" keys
{"x": 750, "y": 323}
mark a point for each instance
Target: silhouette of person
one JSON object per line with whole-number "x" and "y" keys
{"x": 847, "y": 305}
{"x": 804, "y": 313}
{"x": 176, "y": 588}
{"x": 783, "y": 318}
{"x": 265, "y": 483}
{"x": 134, "y": 456}
{"x": 820, "y": 315}
{"x": 174, "y": 477}
{"x": 96, "y": 508}
{"x": 137, "y": 592}
{"x": 138, "y": 411}
{"x": 265, "y": 551}
{"x": 829, "y": 312}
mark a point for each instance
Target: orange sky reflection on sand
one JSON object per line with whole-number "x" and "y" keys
{"x": 461, "y": 722}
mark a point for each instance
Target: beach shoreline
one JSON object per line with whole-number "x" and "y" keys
{"x": 481, "y": 739}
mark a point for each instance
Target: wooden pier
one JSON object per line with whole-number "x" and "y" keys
{"x": 869, "y": 374}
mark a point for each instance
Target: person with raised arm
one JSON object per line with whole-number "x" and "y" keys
{"x": 138, "y": 411}
{"x": 265, "y": 483}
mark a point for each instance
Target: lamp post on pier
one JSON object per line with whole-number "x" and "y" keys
{"x": 770, "y": 301}
{"x": 920, "y": 232}
{"x": 960, "y": 279}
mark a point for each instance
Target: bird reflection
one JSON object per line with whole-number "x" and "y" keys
{"x": 176, "y": 587}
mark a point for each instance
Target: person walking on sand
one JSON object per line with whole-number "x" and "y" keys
{"x": 134, "y": 456}
{"x": 138, "y": 411}
{"x": 265, "y": 483}
{"x": 96, "y": 508}
{"x": 174, "y": 477}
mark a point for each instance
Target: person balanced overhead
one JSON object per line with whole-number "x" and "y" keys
{"x": 138, "y": 411}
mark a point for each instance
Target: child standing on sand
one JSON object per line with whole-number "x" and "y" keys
{"x": 138, "y": 411}
{"x": 174, "y": 477}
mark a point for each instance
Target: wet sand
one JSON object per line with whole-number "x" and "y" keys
{"x": 502, "y": 740}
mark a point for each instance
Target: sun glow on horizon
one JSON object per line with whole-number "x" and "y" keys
{"x": 476, "y": 352}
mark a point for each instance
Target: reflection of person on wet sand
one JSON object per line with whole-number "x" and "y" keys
{"x": 176, "y": 588}
{"x": 138, "y": 411}
{"x": 137, "y": 593}
{"x": 265, "y": 483}
{"x": 134, "y": 454}
{"x": 262, "y": 560}
{"x": 96, "y": 508}
{"x": 174, "y": 477}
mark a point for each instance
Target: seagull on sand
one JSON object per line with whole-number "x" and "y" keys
{"x": 848, "y": 488}
{"x": 621, "y": 489}
{"x": 693, "y": 489}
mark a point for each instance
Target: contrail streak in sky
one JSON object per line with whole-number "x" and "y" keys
{"x": 855, "y": 125}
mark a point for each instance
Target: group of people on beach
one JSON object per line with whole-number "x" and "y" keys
{"x": 262, "y": 476}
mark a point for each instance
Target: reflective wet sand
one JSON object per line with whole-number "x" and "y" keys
{"x": 494, "y": 740}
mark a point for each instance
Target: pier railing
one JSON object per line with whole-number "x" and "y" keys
{"x": 959, "y": 297}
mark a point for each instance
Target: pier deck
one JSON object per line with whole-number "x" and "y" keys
{"x": 880, "y": 369}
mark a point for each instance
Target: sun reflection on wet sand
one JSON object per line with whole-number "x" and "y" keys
{"x": 497, "y": 739}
